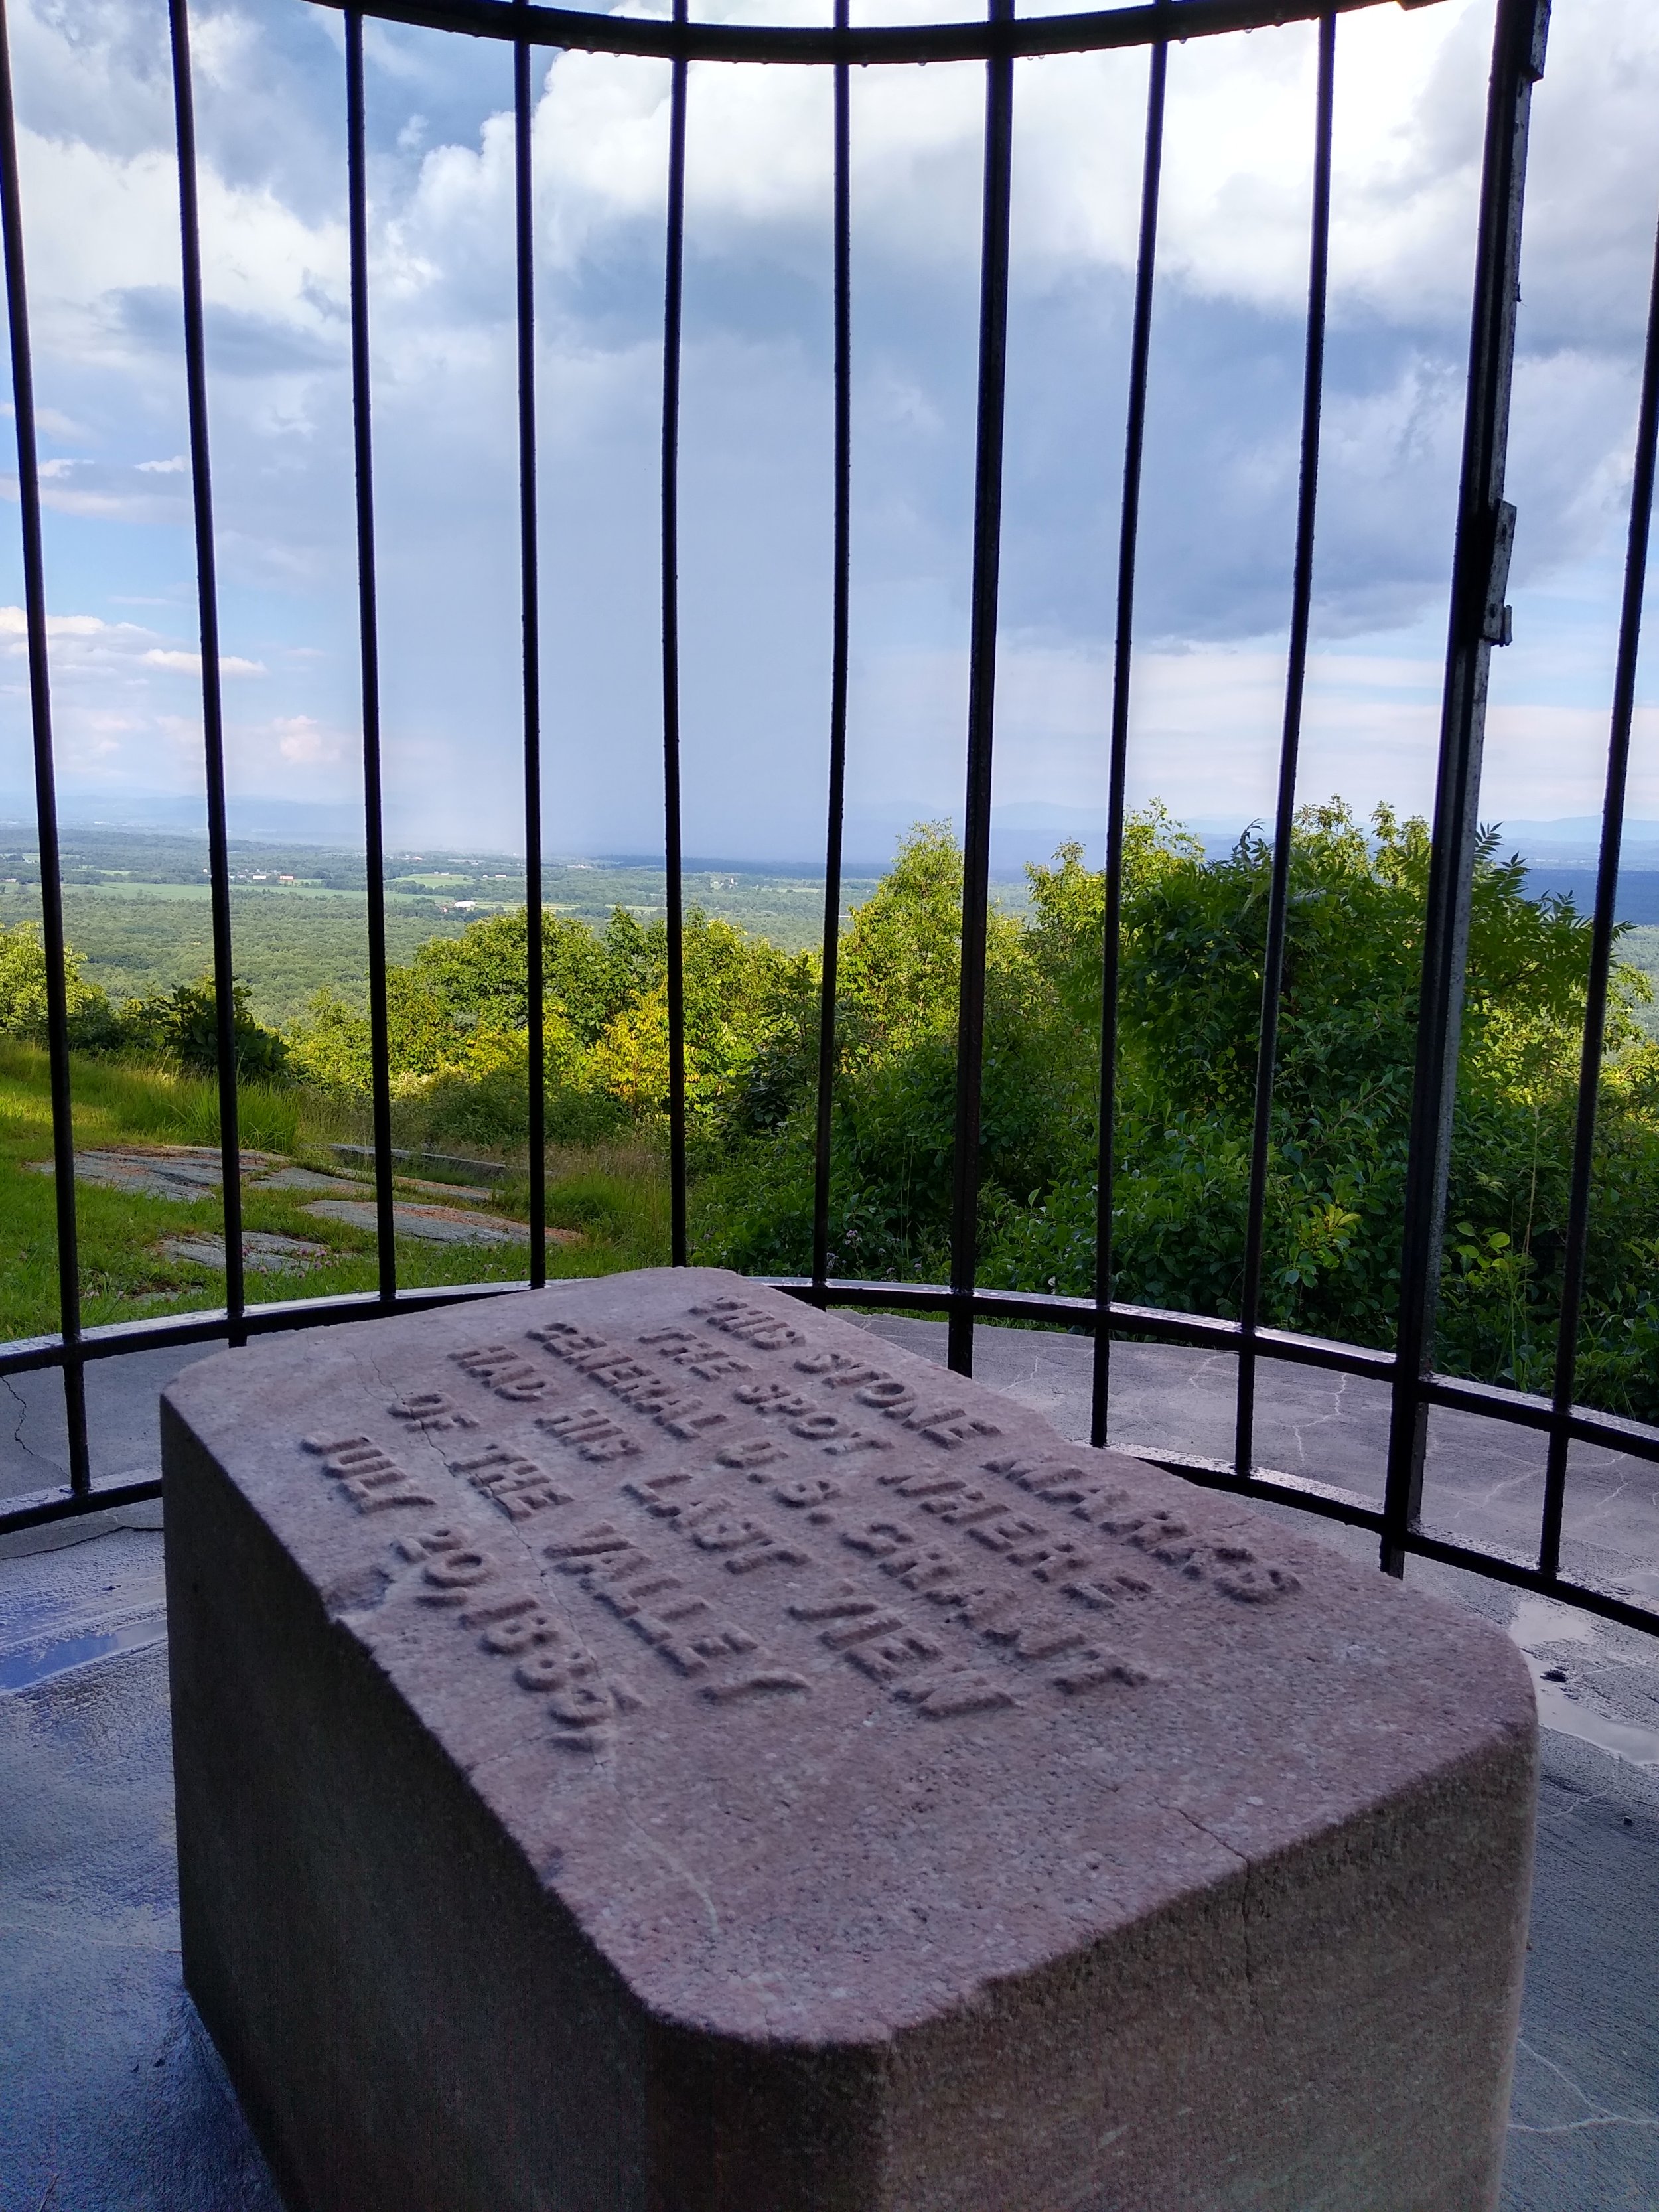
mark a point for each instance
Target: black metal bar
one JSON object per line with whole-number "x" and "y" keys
{"x": 207, "y": 602}
{"x": 37, "y": 1508}
{"x": 1134, "y": 441}
{"x": 1526, "y": 1412}
{"x": 672, "y": 316}
{"x": 45, "y": 781}
{"x": 1078, "y": 1317}
{"x": 841, "y": 621}
{"x": 1495, "y": 1568}
{"x": 1073, "y": 1316}
{"x": 1602, "y": 934}
{"x": 1296, "y": 681}
{"x": 660, "y": 39}
{"x": 207, "y": 1326}
{"x": 369, "y": 649}
{"x": 530, "y": 598}
{"x": 1491, "y": 1565}
{"x": 1478, "y": 620}
{"x": 982, "y": 696}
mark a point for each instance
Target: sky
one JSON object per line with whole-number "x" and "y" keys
{"x": 101, "y": 199}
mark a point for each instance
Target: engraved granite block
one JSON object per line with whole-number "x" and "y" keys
{"x": 646, "y": 1746}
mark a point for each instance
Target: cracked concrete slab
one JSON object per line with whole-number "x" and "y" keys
{"x": 111, "y": 2098}
{"x": 1584, "y": 2114}
{"x": 123, "y": 1420}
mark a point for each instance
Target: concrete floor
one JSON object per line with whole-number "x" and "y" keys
{"x": 113, "y": 2099}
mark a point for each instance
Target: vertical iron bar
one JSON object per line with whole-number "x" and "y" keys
{"x": 1296, "y": 677}
{"x": 673, "y": 293}
{"x": 982, "y": 694}
{"x": 529, "y": 590}
{"x": 369, "y": 649}
{"x": 1601, "y": 930}
{"x": 840, "y": 626}
{"x": 1134, "y": 440}
{"x": 1478, "y": 621}
{"x": 45, "y": 784}
{"x": 213, "y": 725}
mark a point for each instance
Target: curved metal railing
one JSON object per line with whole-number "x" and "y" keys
{"x": 1478, "y": 620}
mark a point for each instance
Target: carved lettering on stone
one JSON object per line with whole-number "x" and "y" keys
{"x": 699, "y": 1355}
{"x": 505, "y": 1370}
{"x": 430, "y": 1411}
{"x": 517, "y": 1485}
{"x": 680, "y": 1626}
{"x": 939, "y": 1420}
{"x": 661, "y": 1398}
{"x": 369, "y": 1477}
{"x": 753, "y": 1325}
{"x": 510, "y": 1620}
{"x": 959, "y": 1589}
{"x": 590, "y": 1430}
{"x": 1159, "y": 1533}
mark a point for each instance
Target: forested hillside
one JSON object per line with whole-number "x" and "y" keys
{"x": 1193, "y": 932}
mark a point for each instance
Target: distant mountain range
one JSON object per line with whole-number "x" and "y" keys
{"x": 279, "y": 819}
{"x": 1576, "y": 842}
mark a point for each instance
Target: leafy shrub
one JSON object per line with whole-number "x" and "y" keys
{"x": 183, "y": 1024}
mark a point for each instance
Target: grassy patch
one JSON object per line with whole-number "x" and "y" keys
{"x": 617, "y": 1197}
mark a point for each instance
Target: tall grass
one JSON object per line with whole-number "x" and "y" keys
{"x": 616, "y": 1196}
{"x": 174, "y": 1106}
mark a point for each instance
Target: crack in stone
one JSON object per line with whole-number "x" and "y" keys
{"x": 1593, "y": 2118}
{"x": 675, "y": 1866}
{"x": 22, "y": 1405}
{"x": 1192, "y": 1821}
{"x": 1248, "y": 1868}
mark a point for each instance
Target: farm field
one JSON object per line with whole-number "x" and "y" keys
{"x": 136, "y": 907}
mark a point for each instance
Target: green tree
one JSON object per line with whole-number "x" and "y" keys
{"x": 23, "y": 991}
{"x": 1192, "y": 950}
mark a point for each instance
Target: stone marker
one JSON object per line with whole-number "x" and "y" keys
{"x": 646, "y": 1744}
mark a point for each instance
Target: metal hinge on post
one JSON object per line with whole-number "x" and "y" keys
{"x": 1498, "y": 621}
